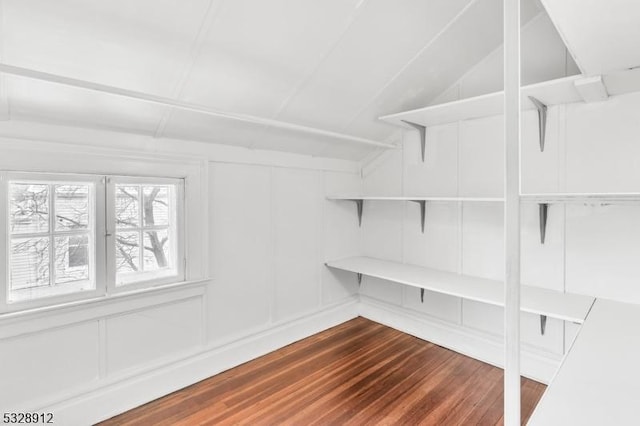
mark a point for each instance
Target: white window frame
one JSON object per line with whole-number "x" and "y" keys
{"x": 103, "y": 255}
{"x": 178, "y": 235}
{"x": 97, "y": 209}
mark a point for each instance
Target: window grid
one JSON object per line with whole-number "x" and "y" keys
{"x": 52, "y": 233}
{"x": 142, "y": 228}
{"x": 90, "y": 238}
{"x": 157, "y": 259}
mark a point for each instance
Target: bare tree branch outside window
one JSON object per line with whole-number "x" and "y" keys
{"x": 40, "y": 255}
{"x": 143, "y": 225}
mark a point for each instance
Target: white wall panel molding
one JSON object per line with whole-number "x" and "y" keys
{"x": 42, "y": 319}
{"x": 537, "y": 365}
{"x": 297, "y": 216}
{"x": 56, "y": 362}
{"x": 104, "y": 399}
{"x": 153, "y": 336}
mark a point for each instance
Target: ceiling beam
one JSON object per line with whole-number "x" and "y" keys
{"x": 164, "y": 101}
{"x": 194, "y": 53}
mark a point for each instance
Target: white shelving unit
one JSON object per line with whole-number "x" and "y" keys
{"x": 545, "y": 200}
{"x": 421, "y": 200}
{"x": 536, "y": 96}
{"x": 543, "y": 302}
{"x": 554, "y": 92}
{"x": 584, "y": 198}
{"x": 583, "y": 360}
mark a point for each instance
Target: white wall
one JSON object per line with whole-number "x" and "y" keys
{"x": 544, "y": 57}
{"x": 589, "y": 250}
{"x": 260, "y": 239}
{"x": 466, "y": 159}
{"x": 271, "y": 231}
{"x": 258, "y": 232}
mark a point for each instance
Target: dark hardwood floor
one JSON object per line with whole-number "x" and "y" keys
{"x": 358, "y": 373}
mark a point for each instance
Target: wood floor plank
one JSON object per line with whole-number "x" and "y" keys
{"x": 357, "y": 373}
{"x": 330, "y": 377}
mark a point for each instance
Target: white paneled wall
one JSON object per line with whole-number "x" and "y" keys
{"x": 542, "y": 265}
{"x": 297, "y": 215}
{"x": 241, "y": 251}
{"x": 602, "y": 149}
{"x": 35, "y": 366}
{"x": 164, "y": 332}
{"x": 270, "y": 231}
{"x": 602, "y": 249}
{"x": 591, "y": 250}
{"x": 543, "y": 57}
{"x": 341, "y": 236}
{"x": 481, "y": 165}
{"x": 435, "y": 176}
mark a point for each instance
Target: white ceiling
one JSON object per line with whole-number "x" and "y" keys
{"x": 331, "y": 64}
{"x": 602, "y": 35}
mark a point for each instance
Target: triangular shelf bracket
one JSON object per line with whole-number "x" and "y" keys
{"x": 542, "y": 120}
{"x": 543, "y": 213}
{"x": 423, "y": 135}
{"x": 359, "y": 276}
{"x": 422, "y": 295}
{"x": 359, "y": 207}
{"x": 423, "y": 208}
{"x": 543, "y": 324}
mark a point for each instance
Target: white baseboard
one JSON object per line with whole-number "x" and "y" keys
{"x": 108, "y": 400}
{"x": 537, "y": 366}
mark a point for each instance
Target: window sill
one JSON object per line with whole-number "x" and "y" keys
{"x": 36, "y": 319}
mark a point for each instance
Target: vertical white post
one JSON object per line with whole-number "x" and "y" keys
{"x": 512, "y": 211}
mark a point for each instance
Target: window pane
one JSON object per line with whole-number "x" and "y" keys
{"x": 72, "y": 258}
{"x": 145, "y": 245}
{"x": 29, "y": 208}
{"x": 29, "y": 263}
{"x": 72, "y": 207}
{"x": 156, "y": 250}
{"x": 127, "y": 252}
{"x": 127, "y": 206}
{"x": 156, "y": 205}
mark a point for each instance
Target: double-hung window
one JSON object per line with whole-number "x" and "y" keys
{"x": 71, "y": 237}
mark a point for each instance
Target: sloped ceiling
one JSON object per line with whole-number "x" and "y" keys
{"x": 603, "y": 36}
{"x": 331, "y": 64}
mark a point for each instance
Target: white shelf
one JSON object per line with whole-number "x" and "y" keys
{"x": 553, "y": 92}
{"x": 418, "y": 198}
{"x": 564, "y": 306}
{"x": 597, "y": 382}
{"x": 359, "y": 200}
{"x": 558, "y": 198}
{"x": 583, "y": 198}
